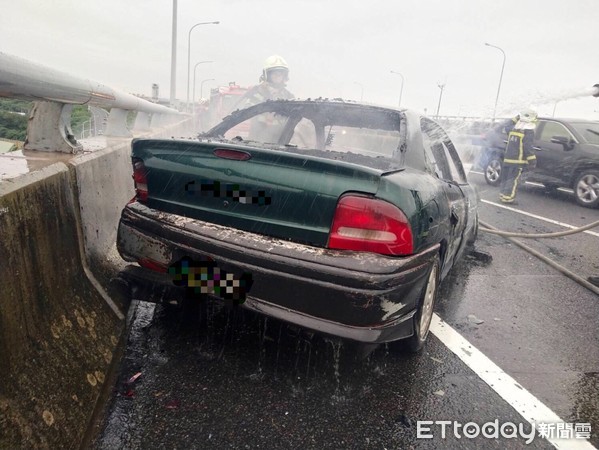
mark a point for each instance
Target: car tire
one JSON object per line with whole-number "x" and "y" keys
{"x": 493, "y": 171}
{"x": 119, "y": 289}
{"x": 586, "y": 188}
{"x": 424, "y": 315}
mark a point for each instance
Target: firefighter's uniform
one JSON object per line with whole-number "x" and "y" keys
{"x": 519, "y": 156}
{"x": 268, "y": 89}
{"x": 263, "y": 92}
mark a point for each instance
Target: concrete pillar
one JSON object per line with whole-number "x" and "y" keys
{"x": 49, "y": 128}
{"x": 117, "y": 123}
{"x": 142, "y": 122}
{"x": 158, "y": 120}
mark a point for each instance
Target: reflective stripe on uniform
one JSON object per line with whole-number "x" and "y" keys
{"x": 521, "y": 147}
{"x": 514, "y": 187}
{"x": 520, "y": 159}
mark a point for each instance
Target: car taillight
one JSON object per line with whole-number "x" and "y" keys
{"x": 152, "y": 265}
{"x": 237, "y": 155}
{"x": 140, "y": 177}
{"x": 370, "y": 225}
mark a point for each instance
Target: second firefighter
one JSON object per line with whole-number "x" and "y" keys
{"x": 519, "y": 155}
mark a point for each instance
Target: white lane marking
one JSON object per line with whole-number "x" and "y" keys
{"x": 532, "y": 183}
{"x": 534, "y": 216}
{"x": 526, "y": 404}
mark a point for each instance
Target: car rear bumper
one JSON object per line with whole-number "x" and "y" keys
{"x": 360, "y": 296}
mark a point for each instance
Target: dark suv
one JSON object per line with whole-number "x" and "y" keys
{"x": 567, "y": 156}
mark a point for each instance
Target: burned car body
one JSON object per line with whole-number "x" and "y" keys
{"x": 342, "y": 217}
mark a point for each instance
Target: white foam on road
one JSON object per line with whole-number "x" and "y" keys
{"x": 527, "y": 405}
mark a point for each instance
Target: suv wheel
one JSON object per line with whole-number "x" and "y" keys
{"x": 493, "y": 171}
{"x": 586, "y": 189}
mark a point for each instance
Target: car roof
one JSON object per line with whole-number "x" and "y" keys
{"x": 318, "y": 104}
{"x": 325, "y": 102}
{"x": 568, "y": 120}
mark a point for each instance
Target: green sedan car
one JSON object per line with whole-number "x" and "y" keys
{"x": 336, "y": 216}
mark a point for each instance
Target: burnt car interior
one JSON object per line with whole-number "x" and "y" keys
{"x": 372, "y": 137}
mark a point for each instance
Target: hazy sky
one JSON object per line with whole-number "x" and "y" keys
{"x": 333, "y": 47}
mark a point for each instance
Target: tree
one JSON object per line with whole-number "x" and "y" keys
{"x": 14, "y": 114}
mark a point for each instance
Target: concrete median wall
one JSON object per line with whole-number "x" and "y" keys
{"x": 57, "y": 333}
{"x": 104, "y": 186}
{"x": 59, "y": 330}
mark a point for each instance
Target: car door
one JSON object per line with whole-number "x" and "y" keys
{"x": 555, "y": 161}
{"x": 441, "y": 154}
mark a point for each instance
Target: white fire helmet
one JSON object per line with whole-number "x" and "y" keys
{"x": 528, "y": 116}
{"x": 275, "y": 62}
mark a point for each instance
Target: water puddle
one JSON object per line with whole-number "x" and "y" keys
{"x": 13, "y": 164}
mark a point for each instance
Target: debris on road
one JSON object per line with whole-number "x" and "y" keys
{"x": 475, "y": 320}
{"x": 133, "y": 378}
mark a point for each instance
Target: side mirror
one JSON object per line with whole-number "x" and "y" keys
{"x": 563, "y": 140}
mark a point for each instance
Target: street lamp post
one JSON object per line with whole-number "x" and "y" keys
{"x": 193, "y": 97}
{"x": 174, "y": 55}
{"x": 401, "y": 90}
{"x": 441, "y": 86}
{"x": 500, "y": 78}
{"x": 202, "y": 86}
{"x": 189, "y": 52}
{"x": 362, "y": 90}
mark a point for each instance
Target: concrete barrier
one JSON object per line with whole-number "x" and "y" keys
{"x": 104, "y": 186}
{"x": 57, "y": 332}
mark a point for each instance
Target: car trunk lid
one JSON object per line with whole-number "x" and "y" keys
{"x": 272, "y": 192}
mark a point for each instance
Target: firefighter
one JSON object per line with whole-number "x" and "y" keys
{"x": 275, "y": 75}
{"x": 519, "y": 155}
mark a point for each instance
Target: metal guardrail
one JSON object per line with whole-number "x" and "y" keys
{"x": 55, "y": 92}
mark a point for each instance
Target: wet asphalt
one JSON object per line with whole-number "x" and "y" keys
{"x": 238, "y": 380}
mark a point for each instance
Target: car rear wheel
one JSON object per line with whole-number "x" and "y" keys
{"x": 586, "y": 189}
{"x": 424, "y": 314}
{"x": 493, "y": 171}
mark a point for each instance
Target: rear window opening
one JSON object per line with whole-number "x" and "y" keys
{"x": 369, "y": 137}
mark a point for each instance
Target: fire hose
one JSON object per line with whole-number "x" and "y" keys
{"x": 488, "y": 229}
{"x": 510, "y": 236}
